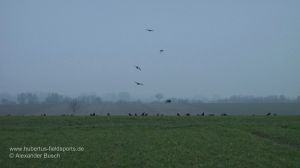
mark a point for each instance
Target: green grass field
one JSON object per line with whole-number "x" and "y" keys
{"x": 231, "y": 141}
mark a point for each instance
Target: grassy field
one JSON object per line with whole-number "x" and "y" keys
{"x": 231, "y": 141}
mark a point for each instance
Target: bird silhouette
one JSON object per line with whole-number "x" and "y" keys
{"x": 149, "y": 30}
{"x": 139, "y": 83}
{"x": 137, "y": 67}
{"x": 161, "y": 50}
{"x": 168, "y": 101}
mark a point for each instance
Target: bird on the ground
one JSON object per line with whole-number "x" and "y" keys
{"x": 139, "y": 83}
{"x": 149, "y": 30}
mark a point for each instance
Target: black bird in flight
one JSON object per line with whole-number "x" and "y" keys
{"x": 137, "y": 67}
{"x": 168, "y": 101}
{"x": 149, "y": 30}
{"x": 161, "y": 50}
{"x": 139, "y": 83}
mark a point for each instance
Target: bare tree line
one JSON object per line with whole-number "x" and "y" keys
{"x": 56, "y": 98}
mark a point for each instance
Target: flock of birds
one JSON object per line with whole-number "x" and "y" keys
{"x": 140, "y": 69}
{"x": 166, "y": 101}
{"x": 158, "y": 114}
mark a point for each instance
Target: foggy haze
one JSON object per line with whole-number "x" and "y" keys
{"x": 211, "y": 47}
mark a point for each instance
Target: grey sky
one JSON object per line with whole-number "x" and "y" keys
{"x": 211, "y": 47}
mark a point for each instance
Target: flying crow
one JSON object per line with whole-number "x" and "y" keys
{"x": 138, "y": 83}
{"x": 168, "y": 101}
{"x": 137, "y": 67}
{"x": 149, "y": 30}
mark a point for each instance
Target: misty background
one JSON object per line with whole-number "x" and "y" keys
{"x": 212, "y": 48}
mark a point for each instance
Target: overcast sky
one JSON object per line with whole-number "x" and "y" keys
{"x": 212, "y": 47}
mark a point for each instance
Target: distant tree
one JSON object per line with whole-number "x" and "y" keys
{"x": 298, "y": 99}
{"x": 124, "y": 96}
{"x": 6, "y": 98}
{"x": 182, "y": 101}
{"x": 110, "y": 97}
{"x": 54, "y": 98}
{"x": 4, "y": 101}
{"x": 89, "y": 99}
{"x": 159, "y": 96}
{"x": 21, "y": 98}
{"x": 32, "y": 98}
{"x": 282, "y": 99}
{"x": 74, "y": 105}
{"x": 27, "y": 98}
